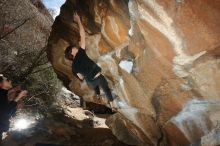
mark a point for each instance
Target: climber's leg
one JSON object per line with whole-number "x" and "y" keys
{"x": 104, "y": 85}
{"x": 100, "y": 81}
{"x": 94, "y": 86}
{"x": 97, "y": 90}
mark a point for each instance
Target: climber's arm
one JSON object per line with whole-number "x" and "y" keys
{"x": 81, "y": 77}
{"x": 81, "y": 31}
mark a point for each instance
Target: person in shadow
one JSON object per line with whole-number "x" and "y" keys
{"x": 7, "y": 107}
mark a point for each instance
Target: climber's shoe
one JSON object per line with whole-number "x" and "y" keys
{"x": 113, "y": 107}
{"x": 114, "y": 110}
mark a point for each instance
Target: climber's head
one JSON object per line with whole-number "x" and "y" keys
{"x": 71, "y": 51}
{"x": 5, "y": 83}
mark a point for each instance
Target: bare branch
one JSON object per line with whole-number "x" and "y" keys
{"x": 3, "y": 36}
{"x": 34, "y": 64}
{"x": 40, "y": 70}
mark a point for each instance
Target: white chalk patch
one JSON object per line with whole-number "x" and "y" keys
{"x": 123, "y": 90}
{"x": 130, "y": 32}
{"x": 132, "y": 9}
{"x": 182, "y": 62}
{"x": 128, "y": 110}
{"x": 126, "y": 65}
{"x": 185, "y": 59}
{"x": 192, "y": 115}
{"x": 121, "y": 104}
{"x": 164, "y": 24}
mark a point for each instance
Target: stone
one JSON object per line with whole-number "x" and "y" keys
{"x": 194, "y": 121}
{"x": 20, "y": 48}
{"x": 125, "y": 133}
{"x": 211, "y": 139}
{"x": 174, "y": 50}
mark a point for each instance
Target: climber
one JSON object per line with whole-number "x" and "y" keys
{"x": 85, "y": 68}
{"x": 7, "y": 108}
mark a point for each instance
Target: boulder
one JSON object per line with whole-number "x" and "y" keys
{"x": 211, "y": 139}
{"x": 25, "y": 26}
{"x": 161, "y": 59}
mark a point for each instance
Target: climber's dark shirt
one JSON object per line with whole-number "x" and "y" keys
{"x": 84, "y": 65}
{"x": 7, "y": 109}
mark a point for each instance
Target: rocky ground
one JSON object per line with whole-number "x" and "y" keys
{"x": 63, "y": 131}
{"x": 63, "y": 125}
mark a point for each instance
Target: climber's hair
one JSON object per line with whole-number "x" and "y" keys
{"x": 68, "y": 52}
{"x": 1, "y": 79}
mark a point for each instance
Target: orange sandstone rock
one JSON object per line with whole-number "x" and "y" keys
{"x": 161, "y": 59}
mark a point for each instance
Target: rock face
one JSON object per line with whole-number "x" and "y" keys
{"x": 161, "y": 59}
{"x": 211, "y": 139}
{"x": 25, "y": 26}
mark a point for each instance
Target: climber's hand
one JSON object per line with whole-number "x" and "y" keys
{"x": 76, "y": 17}
{"x": 21, "y": 95}
{"x": 81, "y": 77}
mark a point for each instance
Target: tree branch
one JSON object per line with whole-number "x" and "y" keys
{"x": 3, "y": 36}
{"x": 40, "y": 70}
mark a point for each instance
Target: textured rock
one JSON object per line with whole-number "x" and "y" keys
{"x": 195, "y": 120}
{"x": 62, "y": 130}
{"x": 25, "y": 26}
{"x": 161, "y": 59}
{"x": 211, "y": 139}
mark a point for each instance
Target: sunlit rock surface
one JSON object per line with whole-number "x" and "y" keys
{"x": 211, "y": 139}
{"x": 161, "y": 59}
